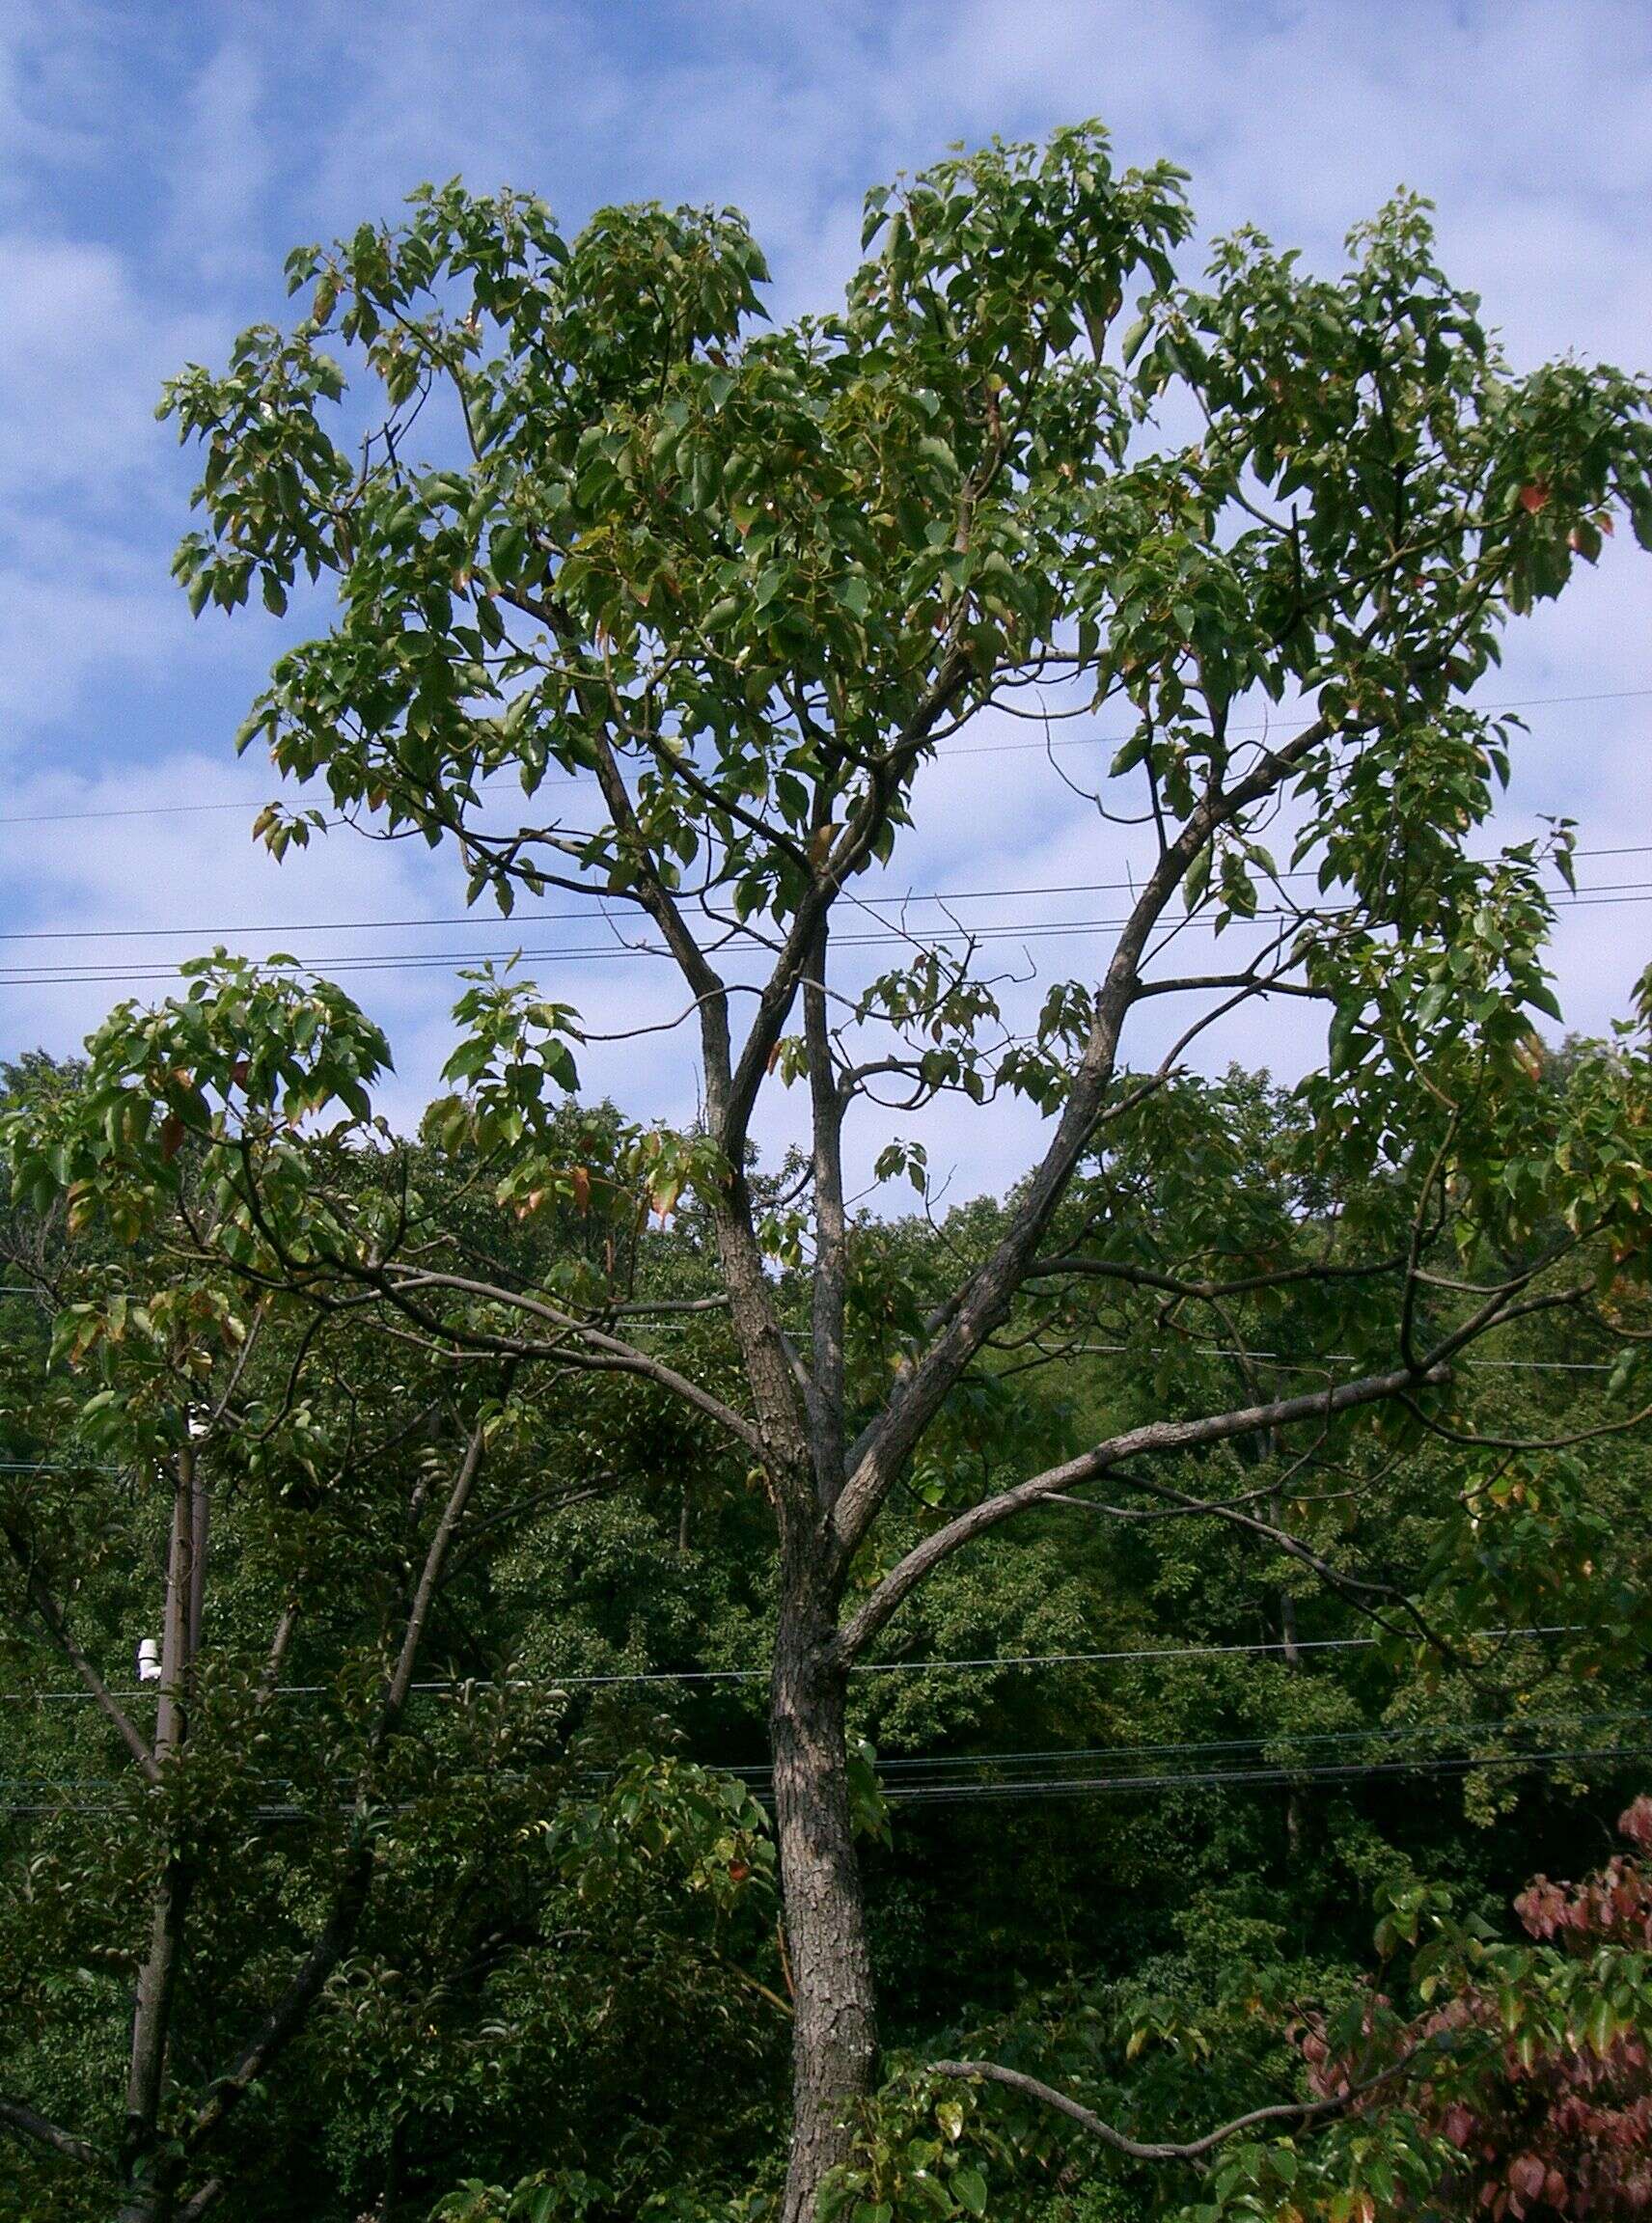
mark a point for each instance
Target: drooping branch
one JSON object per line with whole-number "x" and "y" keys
{"x": 1298, "y": 2111}
{"x": 1503, "y": 1305}
{"x": 1358, "y": 1592}
{"x": 1565, "y": 1441}
{"x": 1155, "y": 1438}
{"x": 590, "y": 1348}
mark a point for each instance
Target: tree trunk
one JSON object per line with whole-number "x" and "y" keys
{"x": 157, "y": 1977}
{"x": 834, "y": 2033}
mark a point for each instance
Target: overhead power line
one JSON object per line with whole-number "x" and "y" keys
{"x": 1062, "y": 1763}
{"x": 957, "y": 1755}
{"x": 621, "y": 951}
{"x": 588, "y": 915}
{"x": 1269, "y": 725}
{"x": 1351, "y": 1772}
{"x": 963, "y": 749}
{"x": 1150, "y": 1654}
{"x": 1067, "y": 1759}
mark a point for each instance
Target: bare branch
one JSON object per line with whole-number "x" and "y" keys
{"x": 28, "y": 2123}
{"x": 593, "y": 1349}
{"x": 1143, "y": 1277}
{"x": 1195, "y": 984}
{"x": 1156, "y": 1437}
{"x": 831, "y": 1276}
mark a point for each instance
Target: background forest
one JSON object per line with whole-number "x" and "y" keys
{"x": 1136, "y": 1803}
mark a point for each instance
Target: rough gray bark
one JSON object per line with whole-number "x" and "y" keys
{"x": 835, "y": 2039}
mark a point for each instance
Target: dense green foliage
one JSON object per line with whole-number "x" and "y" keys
{"x": 570, "y": 1978}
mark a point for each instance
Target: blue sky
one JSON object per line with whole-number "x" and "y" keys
{"x": 157, "y": 163}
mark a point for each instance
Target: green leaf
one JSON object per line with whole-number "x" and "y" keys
{"x": 1134, "y": 751}
{"x": 1135, "y": 337}
{"x": 969, "y": 2186}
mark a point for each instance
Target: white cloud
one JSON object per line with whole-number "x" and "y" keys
{"x": 221, "y": 166}
{"x": 82, "y": 356}
{"x": 100, "y": 619}
{"x": 57, "y": 95}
